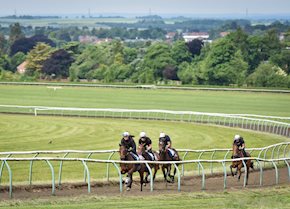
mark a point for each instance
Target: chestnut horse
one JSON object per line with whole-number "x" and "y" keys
{"x": 130, "y": 168}
{"x": 239, "y": 164}
{"x": 146, "y": 155}
{"x": 164, "y": 156}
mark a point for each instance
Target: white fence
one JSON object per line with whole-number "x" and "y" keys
{"x": 245, "y": 121}
{"x": 277, "y": 153}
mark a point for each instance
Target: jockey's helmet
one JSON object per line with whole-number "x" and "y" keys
{"x": 142, "y": 134}
{"x": 237, "y": 137}
{"x": 126, "y": 134}
{"x": 162, "y": 134}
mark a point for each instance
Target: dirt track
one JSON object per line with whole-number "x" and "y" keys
{"x": 188, "y": 184}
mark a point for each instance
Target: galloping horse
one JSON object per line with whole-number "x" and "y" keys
{"x": 239, "y": 164}
{"x": 164, "y": 156}
{"x": 146, "y": 155}
{"x": 130, "y": 168}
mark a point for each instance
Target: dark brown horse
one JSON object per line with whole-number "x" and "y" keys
{"x": 130, "y": 168}
{"x": 239, "y": 164}
{"x": 164, "y": 156}
{"x": 146, "y": 155}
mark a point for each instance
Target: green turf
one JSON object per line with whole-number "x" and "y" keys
{"x": 259, "y": 198}
{"x": 204, "y": 101}
{"x": 19, "y": 133}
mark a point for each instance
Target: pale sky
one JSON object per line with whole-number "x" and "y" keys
{"x": 44, "y": 7}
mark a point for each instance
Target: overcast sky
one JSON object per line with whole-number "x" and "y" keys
{"x": 192, "y": 7}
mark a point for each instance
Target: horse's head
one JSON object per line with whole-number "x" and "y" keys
{"x": 162, "y": 146}
{"x": 141, "y": 149}
{"x": 236, "y": 151}
{"x": 123, "y": 152}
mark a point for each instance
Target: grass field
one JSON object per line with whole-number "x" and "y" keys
{"x": 35, "y": 133}
{"x": 258, "y": 198}
{"x": 203, "y": 101}
{"x": 24, "y": 132}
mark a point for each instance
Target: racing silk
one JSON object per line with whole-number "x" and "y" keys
{"x": 146, "y": 141}
{"x": 165, "y": 139}
{"x": 239, "y": 142}
{"x": 130, "y": 143}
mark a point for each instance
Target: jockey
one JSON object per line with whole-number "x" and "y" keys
{"x": 239, "y": 141}
{"x": 147, "y": 143}
{"x": 166, "y": 140}
{"x": 129, "y": 143}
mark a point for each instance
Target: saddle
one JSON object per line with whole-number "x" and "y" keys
{"x": 172, "y": 153}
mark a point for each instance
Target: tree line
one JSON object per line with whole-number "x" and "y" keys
{"x": 237, "y": 59}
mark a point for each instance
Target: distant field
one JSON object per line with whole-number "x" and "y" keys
{"x": 203, "y": 101}
{"x": 68, "y": 22}
{"x": 258, "y": 198}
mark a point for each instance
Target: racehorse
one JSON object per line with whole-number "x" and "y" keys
{"x": 130, "y": 168}
{"x": 146, "y": 155}
{"x": 239, "y": 164}
{"x": 164, "y": 156}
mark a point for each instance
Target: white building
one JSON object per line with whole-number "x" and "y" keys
{"x": 196, "y": 35}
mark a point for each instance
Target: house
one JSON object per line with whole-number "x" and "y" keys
{"x": 170, "y": 35}
{"x": 224, "y": 33}
{"x": 22, "y": 67}
{"x": 195, "y": 35}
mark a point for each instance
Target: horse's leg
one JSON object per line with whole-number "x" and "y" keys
{"x": 172, "y": 177}
{"x": 231, "y": 167}
{"x": 168, "y": 173}
{"x": 141, "y": 172}
{"x": 239, "y": 168}
{"x": 146, "y": 178}
{"x": 156, "y": 168}
{"x": 164, "y": 174}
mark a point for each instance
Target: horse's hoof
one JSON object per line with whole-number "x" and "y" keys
{"x": 128, "y": 188}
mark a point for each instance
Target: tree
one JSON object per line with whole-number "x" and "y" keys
{"x": 58, "y": 64}
{"x": 223, "y": 64}
{"x": 157, "y": 57}
{"x": 16, "y": 60}
{"x": 64, "y": 36}
{"x": 36, "y": 58}
{"x": 282, "y": 60}
{"x": 3, "y": 44}
{"x": 169, "y": 73}
{"x": 15, "y": 32}
{"x": 26, "y": 44}
{"x": 195, "y": 47}
{"x": 268, "y": 75}
{"x": 180, "y": 52}
{"x": 4, "y": 62}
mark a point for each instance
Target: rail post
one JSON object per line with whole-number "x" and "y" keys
{"x": 211, "y": 167}
{"x": 52, "y": 177}
{"x": 182, "y": 166}
{"x": 198, "y": 163}
{"x": 10, "y": 178}
{"x": 60, "y": 169}
{"x": 225, "y": 174}
{"x": 286, "y": 162}
{"x": 2, "y": 166}
{"x": 88, "y": 175}
{"x": 108, "y": 165}
{"x": 85, "y": 170}
{"x": 30, "y": 169}
{"x": 261, "y": 172}
{"x": 203, "y": 176}
{"x": 246, "y": 173}
{"x": 151, "y": 177}
{"x": 178, "y": 175}
{"x": 120, "y": 176}
{"x": 276, "y": 172}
